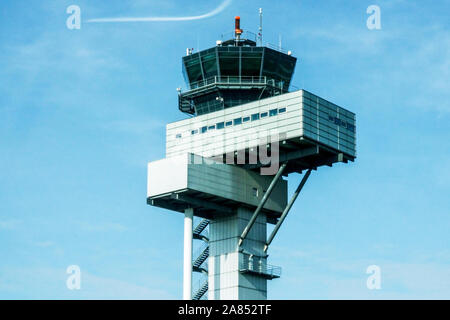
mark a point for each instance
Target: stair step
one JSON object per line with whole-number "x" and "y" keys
{"x": 199, "y": 294}
{"x": 201, "y": 226}
{"x": 200, "y": 259}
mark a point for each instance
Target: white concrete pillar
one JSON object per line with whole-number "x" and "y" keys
{"x": 187, "y": 260}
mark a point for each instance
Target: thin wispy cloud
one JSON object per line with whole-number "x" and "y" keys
{"x": 212, "y": 13}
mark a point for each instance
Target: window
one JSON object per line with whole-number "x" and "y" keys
{"x": 255, "y": 192}
{"x": 211, "y": 127}
{"x": 273, "y": 112}
{"x": 237, "y": 121}
{"x": 194, "y": 131}
{"x": 282, "y": 110}
{"x": 178, "y": 136}
{"x": 264, "y": 114}
{"x": 229, "y": 123}
{"x": 251, "y": 61}
{"x": 255, "y": 116}
{"x": 208, "y": 58}
{"x": 204, "y": 129}
{"x": 220, "y": 125}
{"x": 246, "y": 119}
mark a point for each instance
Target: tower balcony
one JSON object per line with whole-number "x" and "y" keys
{"x": 244, "y": 81}
{"x": 221, "y": 92}
{"x": 258, "y": 266}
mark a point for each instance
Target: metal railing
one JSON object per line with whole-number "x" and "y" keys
{"x": 237, "y": 80}
{"x": 198, "y": 252}
{"x": 276, "y": 48}
{"x": 255, "y": 264}
{"x": 200, "y": 290}
{"x": 245, "y": 35}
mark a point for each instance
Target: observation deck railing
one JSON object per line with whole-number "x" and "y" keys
{"x": 258, "y": 265}
{"x": 237, "y": 80}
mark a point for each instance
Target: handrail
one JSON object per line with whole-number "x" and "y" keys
{"x": 245, "y": 35}
{"x": 258, "y": 265}
{"x": 200, "y": 284}
{"x": 236, "y": 80}
{"x": 276, "y": 48}
{"x": 198, "y": 252}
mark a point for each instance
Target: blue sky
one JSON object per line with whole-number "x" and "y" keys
{"x": 83, "y": 111}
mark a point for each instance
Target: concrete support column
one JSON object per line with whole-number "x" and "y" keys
{"x": 187, "y": 258}
{"x": 226, "y": 262}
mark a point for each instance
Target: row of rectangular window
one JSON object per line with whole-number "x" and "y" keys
{"x": 237, "y": 121}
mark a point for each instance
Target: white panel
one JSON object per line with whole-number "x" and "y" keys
{"x": 236, "y": 137}
{"x": 167, "y": 175}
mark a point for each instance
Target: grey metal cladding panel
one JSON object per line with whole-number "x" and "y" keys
{"x": 327, "y": 139}
{"x": 312, "y": 101}
{"x": 308, "y": 94}
{"x": 328, "y": 136}
{"x": 327, "y": 132}
{"x": 311, "y": 122}
{"x": 322, "y": 101}
{"x": 257, "y": 233}
{"x": 217, "y": 178}
{"x": 347, "y": 139}
{"x": 208, "y": 184}
{"x": 233, "y": 226}
{"x": 337, "y": 113}
{"x": 323, "y": 119}
{"x": 310, "y": 109}
{"x": 309, "y": 134}
{"x": 234, "y": 183}
{"x": 349, "y": 144}
{"x": 307, "y": 126}
{"x": 278, "y": 198}
{"x": 308, "y": 102}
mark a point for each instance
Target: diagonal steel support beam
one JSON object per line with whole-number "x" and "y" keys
{"x": 287, "y": 209}
{"x": 262, "y": 203}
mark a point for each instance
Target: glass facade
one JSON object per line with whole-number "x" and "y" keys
{"x": 239, "y": 62}
{"x": 252, "y": 70}
{"x": 278, "y": 66}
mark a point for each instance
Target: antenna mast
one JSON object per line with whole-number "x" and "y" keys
{"x": 237, "y": 29}
{"x": 260, "y": 32}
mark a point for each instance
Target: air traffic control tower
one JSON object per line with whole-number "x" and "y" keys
{"x": 228, "y": 163}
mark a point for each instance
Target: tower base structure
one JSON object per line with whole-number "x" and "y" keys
{"x": 236, "y": 269}
{"x": 238, "y": 273}
{"x": 237, "y": 200}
